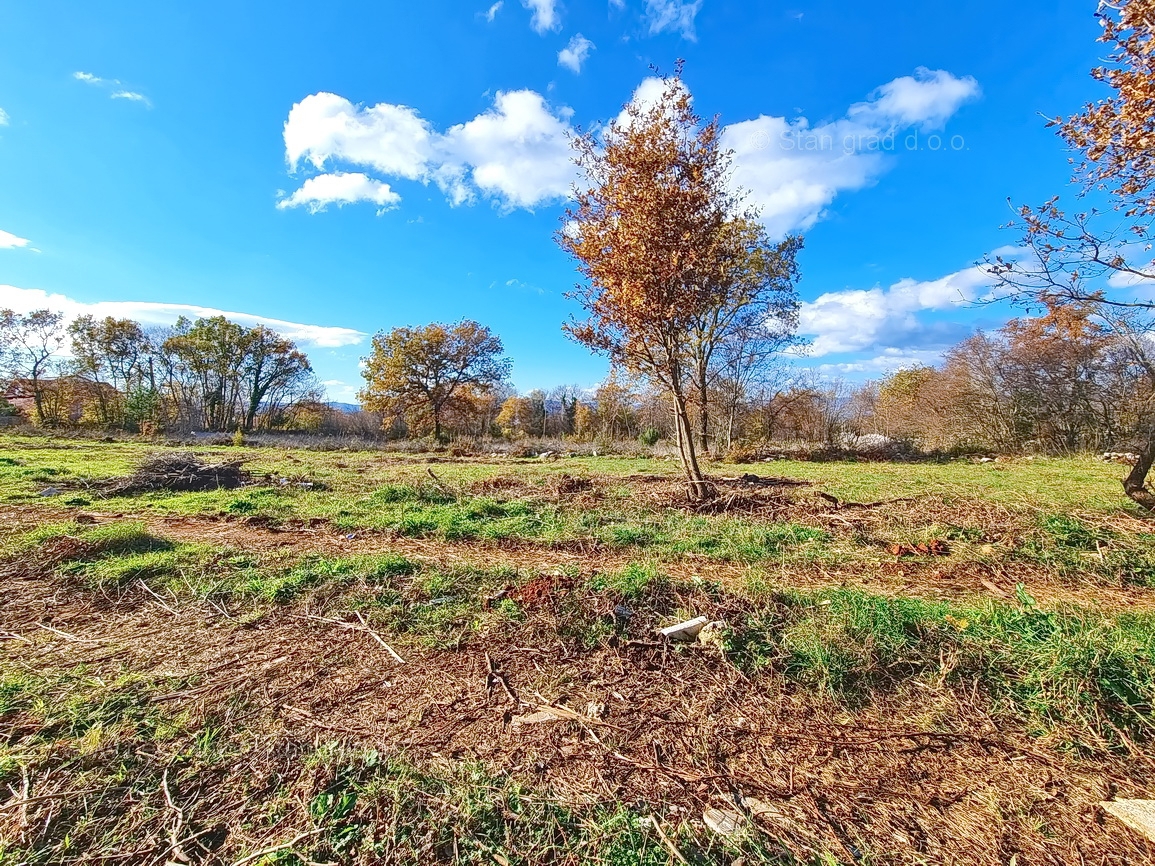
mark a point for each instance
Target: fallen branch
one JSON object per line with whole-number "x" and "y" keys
{"x": 674, "y": 852}
{"x": 175, "y": 846}
{"x": 364, "y": 626}
{"x": 24, "y": 801}
{"x": 68, "y": 636}
{"x": 300, "y": 837}
{"x": 159, "y": 600}
{"x": 494, "y": 677}
{"x": 379, "y": 640}
{"x": 838, "y": 503}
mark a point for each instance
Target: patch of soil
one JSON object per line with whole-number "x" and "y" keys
{"x": 543, "y": 591}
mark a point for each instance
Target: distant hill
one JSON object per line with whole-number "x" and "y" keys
{"x": 345, "y": 407}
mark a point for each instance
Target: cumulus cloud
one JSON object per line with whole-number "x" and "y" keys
{"x": 392, "y": 139}
{"x": 855, "y": 320}
{"x": 492, "y": 11}
{"x": 516, "y": 154}
{"x": 575, "y": 53}
{"x": 674, "y": 16}
{"x": 9, "y": 241}
{"x": 888, "y": 361}
{"x": 341, "y": 189}
{"x": 545, "y": 15}
{"x": 927, "y": 99}
{"x": 150, "y": 313}
{"x": 793, "y": 170}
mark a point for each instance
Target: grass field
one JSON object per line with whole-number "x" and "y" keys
{"x": 364, "y": 657}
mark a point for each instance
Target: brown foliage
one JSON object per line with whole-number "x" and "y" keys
{"x": 650, "y": 233}
{"x": 428, "y": 373}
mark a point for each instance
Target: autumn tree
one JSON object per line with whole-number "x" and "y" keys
{"x": 648, "y": 231}
{"x": 29, "y": 344}
{"x": 515, "y": 418}
{"x": 211, "y": 351}
{"x": 1101, "y": 256}
{"x": 429, "y": 370}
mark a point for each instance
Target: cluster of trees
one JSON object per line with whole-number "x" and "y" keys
{"x": 208, "y": 374}
{"x": 1061, "y": 382}
{"x": 1099, "y": 257}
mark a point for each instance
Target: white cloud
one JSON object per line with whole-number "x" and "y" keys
{"x": 150, "y": 313}
{"x": 793, "y": 170}
{"x": 3, "y": 117}
{"x": 9, "y": 241}
{"x": 926, "y": 99}
{"x": 545, "y": 15}
{"x": 673, "y": 15}
{"x": 888, "y": 361}
{"x": 854, "y": 320}
{"x": 340, "y": 189}
{"x": 517, "y": 153}
{"x": 492, "y": 11}
{"x": 646, "y": 96}
{"x": 393, "y": 139}
{"x": 120, "y": 92}
{"x": 132, "y": 96}
{"x": 574, "y": 55}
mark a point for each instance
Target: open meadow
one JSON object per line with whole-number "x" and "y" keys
{"x": 364, "y": 657}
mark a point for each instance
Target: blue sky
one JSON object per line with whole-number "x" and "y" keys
{"x": 343, "y": 168}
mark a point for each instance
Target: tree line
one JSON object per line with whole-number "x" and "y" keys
{"x": 207, "y": 374}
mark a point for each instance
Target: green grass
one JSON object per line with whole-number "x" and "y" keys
{"x": 372, "y": 491}
{"x": 1072, "y": 548}
{"x": 375, "y": 809}
{"x": 1088, "y": 672}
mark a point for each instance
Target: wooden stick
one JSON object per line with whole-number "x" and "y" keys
{"x": 175, "y": 847}
{"x": 275, "y": 848}
{"x": 377, "y": 638}
{"x": 669, "y": 845}
{"x": 160, "y": 600}
{"x": 68, "y": 636}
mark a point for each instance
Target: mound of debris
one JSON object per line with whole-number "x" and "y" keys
{"x": 180, "y": 471}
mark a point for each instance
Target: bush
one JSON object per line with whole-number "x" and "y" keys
{"x": 650, "y": 436}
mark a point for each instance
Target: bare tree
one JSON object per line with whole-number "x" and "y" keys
{"x": 29, "y": 344}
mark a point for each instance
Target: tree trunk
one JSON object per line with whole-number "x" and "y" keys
{"x": 700, "y": 489}
{"x": 1135, "y": 484}
{"x": 703, "y": 416}
{"x": 437, "y": 424}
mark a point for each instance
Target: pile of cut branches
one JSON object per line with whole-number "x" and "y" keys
{"x": 180, "y": 471}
